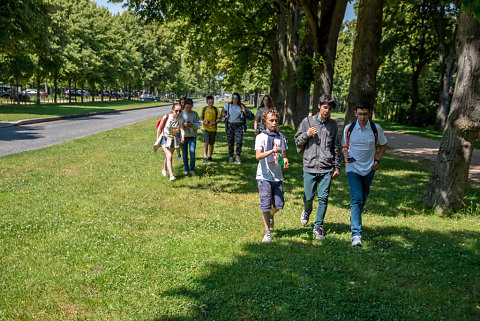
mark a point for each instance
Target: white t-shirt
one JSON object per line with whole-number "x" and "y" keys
{"x": 362, "y": 147}
{"x": 267, "y": 171}
{"x": 172, "y": 126}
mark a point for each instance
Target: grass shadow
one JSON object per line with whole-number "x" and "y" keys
{"x": 399, "y": 274}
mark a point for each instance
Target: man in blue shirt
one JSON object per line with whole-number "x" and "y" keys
{"x": 361, "y": 161}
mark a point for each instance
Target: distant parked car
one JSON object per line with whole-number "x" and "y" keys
{"x": 71, "y": 92}
{"x": 83, "y": 93}
{"x": 33, "y": 93}
{"x": 5, "y": 92}
{"x": 147, "y": 97}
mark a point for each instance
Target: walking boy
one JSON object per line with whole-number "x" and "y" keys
{"x": 270, "y": 151}
{"x": 192, "y": 124}
{"x": 210, "y": 118}
{"x": 317, "y": 137}
{"x": 360, "y": 141}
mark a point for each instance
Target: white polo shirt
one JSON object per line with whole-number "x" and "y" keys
{"x": 362, "y": 147}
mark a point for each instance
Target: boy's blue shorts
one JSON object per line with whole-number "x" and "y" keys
{"x": 271, "y": 194}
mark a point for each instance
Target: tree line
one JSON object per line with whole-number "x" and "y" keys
{"x": 420, "y": 53}
{"x": 75, "y": 43}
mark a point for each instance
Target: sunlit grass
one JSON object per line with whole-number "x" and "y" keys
{"x": 90, "y": 229}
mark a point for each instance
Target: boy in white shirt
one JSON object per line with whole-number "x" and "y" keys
{"x": 270, "y": 151}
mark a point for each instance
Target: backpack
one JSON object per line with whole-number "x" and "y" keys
{"x": 374, "y": 130}
{"x": 205, "y": 108}
{"x": 158, "y": 123}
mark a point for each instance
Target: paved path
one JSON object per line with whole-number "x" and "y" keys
{"x": 420, "y": 148}
{"x": 16, "y": 139}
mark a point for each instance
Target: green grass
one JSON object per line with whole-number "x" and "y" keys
{"x": 91, "y": 230}
{"x": 14, "y": 112}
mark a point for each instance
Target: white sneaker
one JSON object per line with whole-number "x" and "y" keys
{"x": 356, "y": 240}
{"x": 172, "y": 178}
{"x": 185, "y": 173}
{"x": 164, "y": 172}
{"x": 179, "y": 157}
{"x": 192, "y": 173}
{"x": 238, "y": 161}
{"x": 267, "y": 238}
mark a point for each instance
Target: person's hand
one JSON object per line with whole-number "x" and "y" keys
{"x": 374, "y": 166}
{"x": 257, "y": 132}
{"x": 276, "y": 149}
{"x": 182, "y": 141}
{"x": 242, "y": 107}
{"x": 286, "y": 164}
{"x": 311, "y": 131}
{"x": 227, "y": 116}
{"x": 335, "y": 174}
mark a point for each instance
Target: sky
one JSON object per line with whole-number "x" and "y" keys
{"x": 117, "y": 8}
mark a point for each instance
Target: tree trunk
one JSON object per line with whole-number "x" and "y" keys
{"x": 325, "y": 26}
{"x": 446, "y": 65}
{"x": 37, "y": 99}
{"x": 55, "y": 85}
{"x": 279, "y": 60}
{"x": 69, "y": 91}
{"x": 449, "y": 179}
{"x": 366, "y": 52}
{"x": 415, "y": 97}
{"x": 304, "y": 77}
{"x": 293, "y": 39}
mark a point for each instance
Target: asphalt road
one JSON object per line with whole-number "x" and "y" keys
{"x": 18, "y": 139}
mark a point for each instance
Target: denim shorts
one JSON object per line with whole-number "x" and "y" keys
{"x": 271, "y": 194}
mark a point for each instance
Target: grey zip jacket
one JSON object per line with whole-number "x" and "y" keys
{"x": 321, "y": 151}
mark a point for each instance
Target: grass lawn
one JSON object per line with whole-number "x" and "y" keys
{"x": 91, "y": 230}
{"x": 14, "y": 112}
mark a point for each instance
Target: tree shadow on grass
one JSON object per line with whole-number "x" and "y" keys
{"x": 399, "y": 274}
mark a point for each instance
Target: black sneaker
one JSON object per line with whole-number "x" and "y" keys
{"x": 304, "y": 218}
{"x": 318, "y": 232}
{"x": 205, "y": 160}
{"x": 209, "y": 159}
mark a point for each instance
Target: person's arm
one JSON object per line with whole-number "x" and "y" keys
{"x": 182, "y": 132}
{"x": 286, "y": 164}
{"x": 224, "y": 113}
{"x": 336, "y": 149}
{"x": 381, "y": 151}
{"x": 258, "y": 117}
{"x": 162, "y": 125}
{"x": 261, "y": 155}
{"x": 197, "y": 122}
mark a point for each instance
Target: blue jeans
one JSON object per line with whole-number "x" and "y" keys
{"x": 359, "y": 189}
{"x": 310, "y": 183}
{"x": 188, "y": 147}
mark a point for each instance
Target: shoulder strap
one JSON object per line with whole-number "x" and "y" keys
{"x": 375, "y": 134}
{"x": 164, "y": 123}
{"x": 349, "y": 131}
{"x": 203, "y": 112}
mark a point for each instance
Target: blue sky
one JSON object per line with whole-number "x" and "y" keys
{"x": 117, "y": 8}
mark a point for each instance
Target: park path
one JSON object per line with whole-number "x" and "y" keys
{"x": 412, "y": 147}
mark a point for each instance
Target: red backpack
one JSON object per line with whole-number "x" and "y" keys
{"x": 158, "y": 123}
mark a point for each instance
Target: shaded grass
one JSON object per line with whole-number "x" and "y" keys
{"x": 12, "y": 112}
{"x": 90, "y": 229}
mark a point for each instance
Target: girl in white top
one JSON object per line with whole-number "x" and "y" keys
{"x": 167, "y": 137}
{"x": 265, "y": 105}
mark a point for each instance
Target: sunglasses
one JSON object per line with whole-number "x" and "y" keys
{"x": 235, "y": 98}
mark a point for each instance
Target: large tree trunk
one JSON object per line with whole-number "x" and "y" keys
{"x": 304, "y": 77}
{"x": 450, "y": 176}
{"x": 279, "y": 49}
{"x": 294, "y": 16}
{"x": 325, "y": 25}
{"x": 447, "y": 65}
{"x": 366, "y": 51}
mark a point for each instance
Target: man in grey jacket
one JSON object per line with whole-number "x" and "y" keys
{"x": 317, "y": 137}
